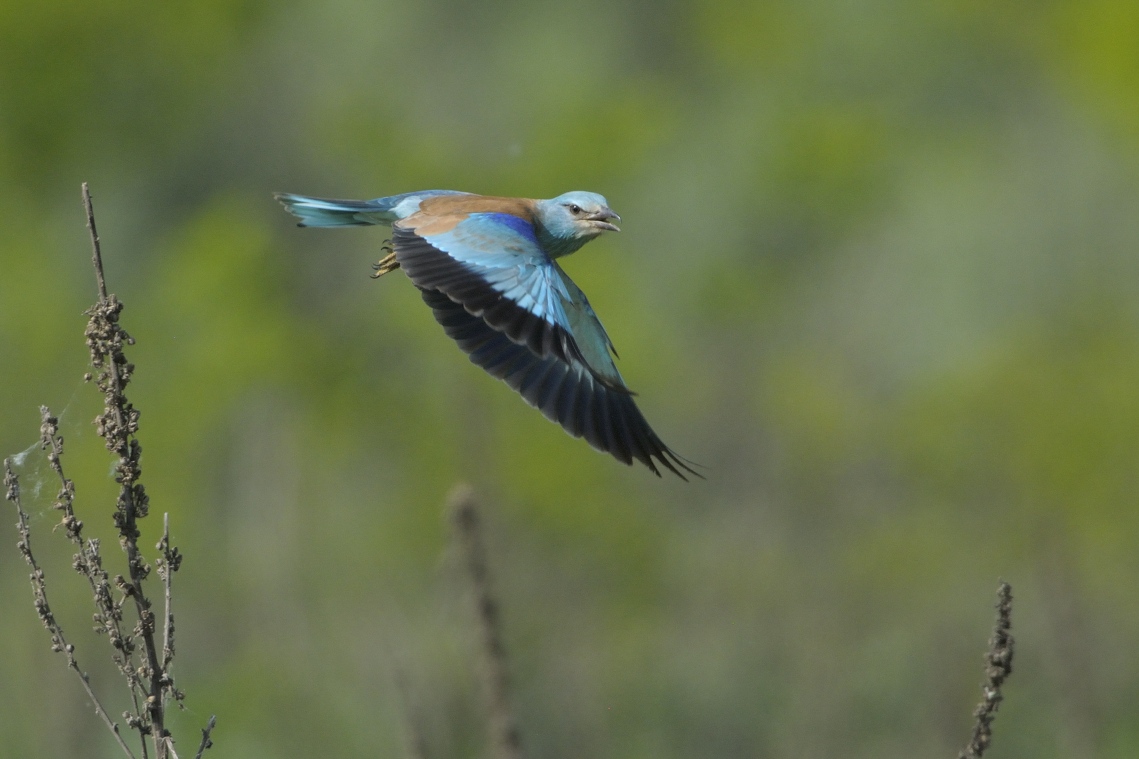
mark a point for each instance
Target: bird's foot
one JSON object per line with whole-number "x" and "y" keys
{"x": 386, "y": 264}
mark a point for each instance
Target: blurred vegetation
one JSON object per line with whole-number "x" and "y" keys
{"x": 878, "y": 272}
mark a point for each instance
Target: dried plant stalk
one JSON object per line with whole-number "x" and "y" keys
{"x": 135, "y": 649}
{"x": 118, "y": 426}
{"x": 998, "y": 666}
{"x": 88, "y": 561}
{"x": 503, "y": 726}
{"x": 59, "y": 642}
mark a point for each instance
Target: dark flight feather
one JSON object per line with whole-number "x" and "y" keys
{"x": 565, "y": 392}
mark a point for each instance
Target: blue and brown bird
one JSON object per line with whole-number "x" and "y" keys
{"x": 488, "y": 268}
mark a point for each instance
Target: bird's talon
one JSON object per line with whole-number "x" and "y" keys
{"x": 384, "y": 265}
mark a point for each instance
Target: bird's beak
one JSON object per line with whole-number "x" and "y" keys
{"x": 601, "y": 219}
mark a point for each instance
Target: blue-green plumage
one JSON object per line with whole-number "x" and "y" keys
{"x": 327, "y": 212}
{"x": 487, "y": 268}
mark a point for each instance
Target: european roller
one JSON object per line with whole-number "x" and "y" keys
{"x": 488, "y": 268}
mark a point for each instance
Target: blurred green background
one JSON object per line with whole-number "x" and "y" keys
{"x": 878, "y": 272}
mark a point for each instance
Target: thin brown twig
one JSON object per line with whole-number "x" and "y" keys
{"x": 59, "y": 642}
{"x": 167, "y": 564}
{"x": 998, "y": 666}
{"x": 96, "y": 252}
{"x": 207, "y": 742}
{"x": 502, "y": 725}
{"x": 168, "y": 616}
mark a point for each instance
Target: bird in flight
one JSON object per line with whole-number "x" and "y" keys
{"x": 488, "y": 268}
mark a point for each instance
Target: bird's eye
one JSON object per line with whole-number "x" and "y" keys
{"x": 575, "y": 209}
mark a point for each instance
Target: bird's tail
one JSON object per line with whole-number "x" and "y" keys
{"x": 324, "y": 212}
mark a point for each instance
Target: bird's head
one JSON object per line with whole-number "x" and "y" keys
{"x": 578, "y": 216}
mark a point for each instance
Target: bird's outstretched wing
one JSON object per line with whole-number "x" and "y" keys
{"x": 517, "y": 315}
